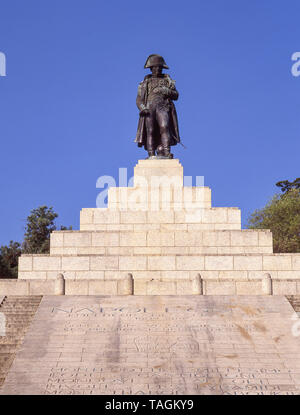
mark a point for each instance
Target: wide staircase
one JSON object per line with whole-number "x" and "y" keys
{"x": 159, "y": 345}
{"x": 18, "y": 311}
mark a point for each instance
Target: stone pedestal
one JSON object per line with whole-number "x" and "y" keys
{"x": 164, "y": 234}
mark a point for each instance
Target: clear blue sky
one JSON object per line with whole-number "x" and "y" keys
{"x": 67, "y": 105}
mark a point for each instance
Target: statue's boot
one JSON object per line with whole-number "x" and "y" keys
{"x": 167, "y": 153}
{"x": 151, "y": 154}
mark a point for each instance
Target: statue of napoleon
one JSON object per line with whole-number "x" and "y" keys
{"x": 158, "y": 125}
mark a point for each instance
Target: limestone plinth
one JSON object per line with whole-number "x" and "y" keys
{"x": 162, "y": 231}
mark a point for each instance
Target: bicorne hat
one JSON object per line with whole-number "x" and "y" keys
{"x": 155, "y": 60}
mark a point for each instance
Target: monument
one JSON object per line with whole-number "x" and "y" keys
{"x": 159, "y": 293}
{"x": 158, "y": 125}
{"x": 160, "y": 236}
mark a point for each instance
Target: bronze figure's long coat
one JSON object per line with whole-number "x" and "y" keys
{"x": 141, "y": 136}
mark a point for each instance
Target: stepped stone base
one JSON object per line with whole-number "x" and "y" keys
{"x": 160, "y": 230}
{"x": 18, "y": 312}
{"x": 204, "y": 345}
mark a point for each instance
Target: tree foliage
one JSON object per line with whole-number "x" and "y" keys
{"x": 9, "y": 260}
{"x": 282, "y": 216}
{"x": 40, "y": 223}
{"x": 286, "y": 186}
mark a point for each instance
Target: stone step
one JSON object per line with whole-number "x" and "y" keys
{"x": 23, "y": 307}
{"x": 19, "y": 311}
{"x": 8, "y": 348}
{"x": 160, "y": 250}
{"x": 170, "y": 235}
{"x": 17, "y": 299}
{"x": 151, "y": 239}
{"x": 126, "y": 196}
{"x": 193, "y": 261}
{"x": 16, "y": 329}
{"x": 13, "y": 320}
{"x": 19, "y": 317}
{"x": 10, "y": 327}
{"x": 7, "y": 340}
{"x": 5, "y": 359}
{"x": 13, "y": 299}
{"x": 4, "y": 356}
{"x": 223, "y": 217}
{"x": 27, "y": 308}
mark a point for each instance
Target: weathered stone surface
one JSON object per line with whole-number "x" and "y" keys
{"x": 132, "y": 263}
{"x": 25, "y": 263}
{"x": 278, "y": 262}
{"x": 150, "y": 172}
{"x": 163, "y": 224}
{"x": 219, "y": 287}
{"x": 13, "y": 287}
{"x": 18, "y": 311}
{"x": 244, "y": 238}
{"x": 221, "y": 263}
{"x": 158, "y": 198}
{"x": 195, "y": 263}
{"x": 248, "y": 262}
{"x": 101, "y": 263}
{"x": 46, "y": 263}
{"x": 133, "y": 239}
{"x": 204, "y": 345}
{"x": 76, "y": 263}
{"x": 164, "y": 263}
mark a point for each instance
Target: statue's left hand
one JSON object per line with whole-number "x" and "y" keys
{"x": 165, "y": 90}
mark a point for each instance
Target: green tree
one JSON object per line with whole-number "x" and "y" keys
{"x": 9, "y": 260}
{"x": 40, "y": 224}
{"x": 282, "y": 216}
{"x": 286, "y": 186}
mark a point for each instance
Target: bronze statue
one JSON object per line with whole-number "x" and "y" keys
{"x": 158, "y": 125}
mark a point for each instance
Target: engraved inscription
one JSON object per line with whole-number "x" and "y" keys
{"x": 158, "y": 345}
